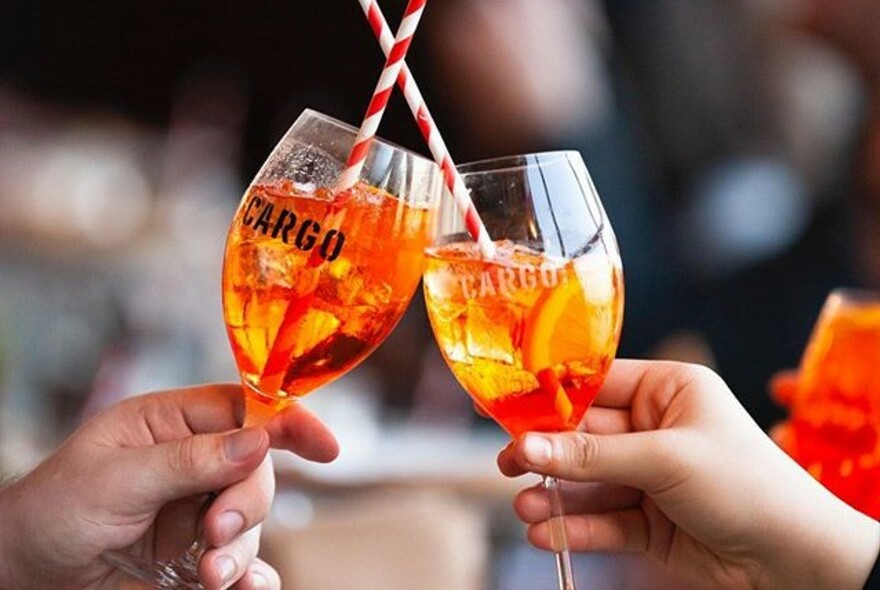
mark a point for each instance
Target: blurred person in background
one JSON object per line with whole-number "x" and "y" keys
{"x": 134, "y": 478}
{"x": 759, "y": 317}
{"x": 850, "y": 239}
{"x": 702, "y": 86}
{"x": 851, "y": 28}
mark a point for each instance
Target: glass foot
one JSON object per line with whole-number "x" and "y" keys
{"x": 181, "y": 572}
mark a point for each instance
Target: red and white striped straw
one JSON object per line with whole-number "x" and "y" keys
{"x": 379, "y": 102}
{"x": 430, "y": 132}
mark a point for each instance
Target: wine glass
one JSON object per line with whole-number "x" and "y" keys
{"x": 531, "y": 330}
{"x": 314, "y": 279}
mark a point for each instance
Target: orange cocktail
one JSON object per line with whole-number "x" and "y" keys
{"x": 525, "y": 296}
{"x": 834, "y": 425}
{"x": 530, "y": 337}
{"x": 315, "y": 274}
{"x": 353, "y": 283}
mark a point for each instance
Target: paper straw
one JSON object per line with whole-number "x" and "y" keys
{"x": 430, "y": 132}
{"x": 397, "y": 49}
{"x": 272, "y": 377}
{"x": 393, "y": 64}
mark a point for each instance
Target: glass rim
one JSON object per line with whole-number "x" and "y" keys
{"x": 354, "y": 131}
{"x": 854, "y": 295}
{"x": 513, "y": 162}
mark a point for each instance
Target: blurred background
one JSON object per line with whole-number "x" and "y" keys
{"x": 735, "y": 145}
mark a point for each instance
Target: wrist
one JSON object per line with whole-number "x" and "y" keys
{"x": 847, "y": 550}
{"x": 23, "y": 562}
{"x": 818, "y": 540}
{"x": 869, "y": 564}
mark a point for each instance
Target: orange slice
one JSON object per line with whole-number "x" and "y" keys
{"x": 548, "y": 340}
{"x": 561, "y": 324}
{"x": 557, "y": 328}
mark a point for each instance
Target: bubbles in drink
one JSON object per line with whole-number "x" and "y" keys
{"x": 313, "y": 168}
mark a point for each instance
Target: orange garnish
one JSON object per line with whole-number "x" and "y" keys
{"x": 562, "y": 325}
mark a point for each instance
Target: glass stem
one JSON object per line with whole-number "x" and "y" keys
{"x": 259, "y": 408}
{"x": 558, "y": 538}
{"x": 180, "y": 573}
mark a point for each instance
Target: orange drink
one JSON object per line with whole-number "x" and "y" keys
{"x": 365, "y": 278}
{"x": 315, "y": 276}
{"x": 834, "y": 425}
{"x": 530, "y": 337}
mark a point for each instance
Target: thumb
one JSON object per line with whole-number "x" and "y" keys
{"x": 199, "y": 463}
{"x": 637, "y": 459}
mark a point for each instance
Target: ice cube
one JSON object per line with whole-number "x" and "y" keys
{"x": 304, "y": 187}
{"x": 596, "y": 273}
{"x": 516, "y": 383}
{"x": 497, "y": 381}
{"x": 341, "y": 283}
{"x": 376, "y": 294}
{"x": 452, "y": 335}
{"x": 490, "y": 329}
{"x": 280, "y": 265}
{"x": 445, "y": 283}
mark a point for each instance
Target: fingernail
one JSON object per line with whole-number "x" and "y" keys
{"x": 229, "y": 524}
{"x": 537, "y": 450}
{"x": 225, "y": 567}
{"x": 240, "y": 445}
{"x": 258, "y": 580}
